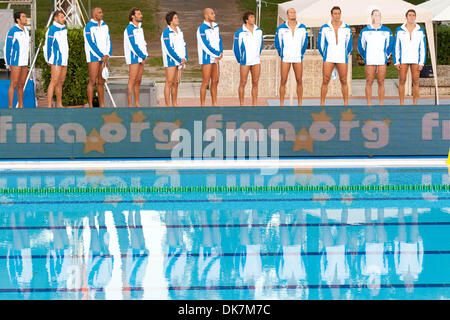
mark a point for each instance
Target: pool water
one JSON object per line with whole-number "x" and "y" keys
{"x": 237, "y": 244}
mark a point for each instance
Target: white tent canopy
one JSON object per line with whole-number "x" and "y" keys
{"x": 439, "y": 8}
{"x": 315, "y": 13}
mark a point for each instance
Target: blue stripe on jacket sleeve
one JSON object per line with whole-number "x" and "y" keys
{"x": 92, "y": 44}
{"x": 9, "y": 44}
{"x": 132, "y": 40}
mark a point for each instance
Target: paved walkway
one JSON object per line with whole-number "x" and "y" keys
{"x": 228, "y": 16}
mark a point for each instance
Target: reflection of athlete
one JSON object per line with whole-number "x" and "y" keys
{"x": 176, "y": 260}
{"x": 249, "y": 253}
{"x": 137, "y": 255}
{"x": 335, "y": 45}
{"x": 334, "y": 266}
{"x": 374, "y": 262}
{"x": 19, "y": 261}
{"x": 291, "y": 267}
{"x": 59, "y": 259}
{"x": 291, "y": 41}
{"x": 408, "y": 255}
{"x": 210, "y": 249}
{"x": 100, "y": 262}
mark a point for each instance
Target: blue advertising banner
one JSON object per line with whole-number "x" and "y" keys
{"x": 223, "y": 132}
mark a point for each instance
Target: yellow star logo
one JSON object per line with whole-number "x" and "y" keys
{"x": 112, "y": 118}
{"x": 347, "y": 198}
{"x": 303, "y": 140}
{"x": 347, "y": 115}
{"x": 138, "y": 117}
{"x": 138, "y": 200}
{"x": 94, "y": 177}
{"x": 303, "y": 176}
{"x": 321, "y": 197}
{"x": 94, "y": 142}
{"x": 113, "y": 200}
{"x": 322, "y": 116}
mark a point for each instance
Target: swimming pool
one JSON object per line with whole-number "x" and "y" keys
{"x": 226, "y": 234}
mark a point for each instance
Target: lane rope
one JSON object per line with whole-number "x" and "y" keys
{"x": 203, "y": 189}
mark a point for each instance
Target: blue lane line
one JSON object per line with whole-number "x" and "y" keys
{"x": 226, "y": 254}
{"x": 259, "y": 225}
{"x": 208, "y": 201}
{"x": 244, "y": 287}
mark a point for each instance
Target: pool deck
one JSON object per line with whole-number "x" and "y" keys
{"x": 169, "y": 164}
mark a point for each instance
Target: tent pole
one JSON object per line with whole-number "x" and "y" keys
{"x": 430, "y": 38}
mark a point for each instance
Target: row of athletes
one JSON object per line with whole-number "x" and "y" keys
{"x": 376, "y": 43}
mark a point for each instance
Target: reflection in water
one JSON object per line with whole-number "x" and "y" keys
{"x": 303, "y": 253}
{"x": 248, "y": 259}
{"x": 100, "y": 262}
{"x": 334, "y": 267}
{"x": 18, "y": 260}
{"x": 408, "y": 255}
{"x": 175, "y": 261}
{"x": 59, "y": 264}
{"x": 374, "y": 262}
{"x": 291, "y": 268}
{"x": 137, "y": 257}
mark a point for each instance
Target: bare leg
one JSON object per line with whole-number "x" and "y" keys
{"x": 327, "y": 70}
{"x": 401, "y": 82}
{"x": 370, "y": 76}
{"x": 133, "y": 70}
{"x": 137, "y": 85}
{"x": 171, "y": 76}
{"x": 93, "y": 75}
{"x": 55, "y": 72}
{"x": 21, "y": 85}
{"x": 298, "y": 71}
{"x": 244, "y": 70}
{"x": 59, "y": 86}
{"x": 15, "y": 79}
{"x": 285, "y": 67}
{"x": 101, "y": 86}
{"x": 415, "y": 74}
{"x": 343, "y": 70}
{"x": 174, "y": 91}
{"x": 381, "y": 75}
{"x": 215, "y": 75}
{"x": 256, "y": 72}
{"x": 206, "y": 77}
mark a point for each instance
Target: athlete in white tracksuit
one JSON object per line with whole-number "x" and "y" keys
{"x": 335, "y": 45}
{"x": 291, "y": 41}
{"x": 98, "y": 48}
{"x": 375, "y": 45}
{"x": 16, "y": 52}
{"x": 247, "y": 47}
{"x": 174, "y": 53}
{"x": 56, "y": 54}
{"x": 210, "y": 51}
{"x": 135, "y": 49}
{"x": 410, "y": 51}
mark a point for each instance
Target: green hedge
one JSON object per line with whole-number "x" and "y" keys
{"x": 74, "y": 89}
{"x": 443, "y": 47}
